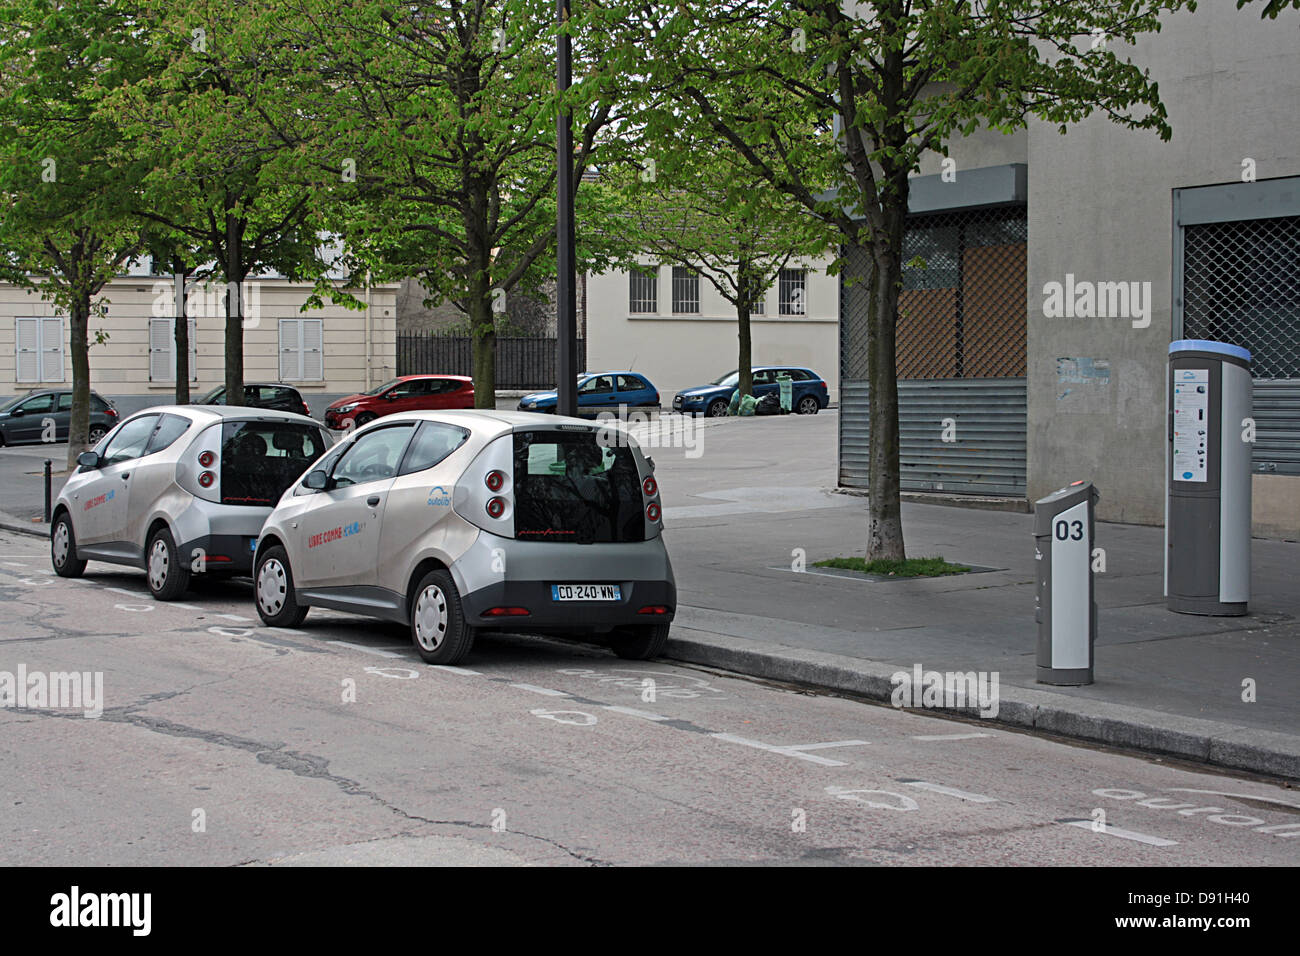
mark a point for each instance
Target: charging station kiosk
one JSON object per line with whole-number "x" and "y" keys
{"x": 1207, "y": 474}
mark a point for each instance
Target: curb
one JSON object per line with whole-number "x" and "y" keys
{"x": 1215, "y": 743}
{"x": 37, "y": 529}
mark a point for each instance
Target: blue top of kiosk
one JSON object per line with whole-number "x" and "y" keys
{"x": 1205, "y": 345}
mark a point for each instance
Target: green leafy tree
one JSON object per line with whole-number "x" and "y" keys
{"x": 1272, "y": 7}
{"x": 64, "y": 231}
{"x": 898, "y": 79}
{"x": 429, "y": 130}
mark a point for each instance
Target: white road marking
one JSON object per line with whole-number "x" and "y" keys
{"x": 951, "y": 792}
{"x": 948, "y": 736}
{"x": 15, "y": 564}
{"x": 633, "y": 712}
{"x": 541, "y": 690}
{"x": 234, "y": 617}
{"x": 793, "y": 750}
{"x": 281, "y": 630}
{"x": 139, "y": 608}
{"x": 586, "y": 719}
{"x": 1122, "y": 834}
{"x": 378, "y": 652}
{"x": 126, "y": 591}
{"x": 403, "y": 673}
{"x": 184, "y": 607}
{"x": 455, "y": 670}
{"x": 904, "y": 803}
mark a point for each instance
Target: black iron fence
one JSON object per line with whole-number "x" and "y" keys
{"x": 521, "y": 362}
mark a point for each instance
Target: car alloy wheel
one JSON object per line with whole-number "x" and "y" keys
{"x": 430, "y": 618}
{"x": 96, "y": 433}
{"x": 808, "y": 405}
{"x": 272, "y": 587}
{"x": 717, "y": 408}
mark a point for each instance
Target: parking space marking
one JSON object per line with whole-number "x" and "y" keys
{"x": 948, "y": 736}
{"x": 238, "y": 618}
{"x": 278, "y": 630}
{"x": 1109, "y": 830}
{"x": 378, "y": 652}
{"x": 184, "y": 607}
{"x": 127, "y": 591}
{"x": 633, "y": 712}
{"x": 950, "y": 791}
{"x": 794, "y": 750}
{"x": 15, "y": 564}
{"x": 465, "y": 671}
{"x": 545, "y": 691}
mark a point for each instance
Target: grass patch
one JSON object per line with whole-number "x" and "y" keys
{"x": 909, "y": 568}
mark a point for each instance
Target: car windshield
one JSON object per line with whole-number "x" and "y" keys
{"x": 382, "y": 388}
{"x": 571, "y": 488}
{"x": 731, "y": 378}
{"x": 12, "y": 402}
{"x": 259, "y": 460}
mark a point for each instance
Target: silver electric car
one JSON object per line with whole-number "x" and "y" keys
{"x": 181, "y": 489}
{"x": 460, "y": 522}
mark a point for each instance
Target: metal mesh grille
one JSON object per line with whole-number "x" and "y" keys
{"x": 791, "y": 292}
{"x": 1241, "y": 284}
{"x": 643, "y": 291}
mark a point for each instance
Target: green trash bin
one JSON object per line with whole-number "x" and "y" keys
{"x": 786, "y": 385}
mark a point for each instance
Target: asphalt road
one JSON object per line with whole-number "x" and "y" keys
{"x": 222, "y": 742}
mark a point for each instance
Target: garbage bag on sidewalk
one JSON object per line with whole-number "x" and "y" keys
{"x": 769, "y": 404}
{"x": 734, "y": 407}
{"x": 747, "y": 405}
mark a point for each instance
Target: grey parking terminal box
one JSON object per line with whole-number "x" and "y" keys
{"x": 1207, "y": 475}
{"x": 1066, "y": 608}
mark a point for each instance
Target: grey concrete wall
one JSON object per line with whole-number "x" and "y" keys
{"x": 1100, "y": 207}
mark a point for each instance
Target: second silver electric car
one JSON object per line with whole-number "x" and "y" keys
{"x": 181, "y": 489}
{"x": 458, "y": 522}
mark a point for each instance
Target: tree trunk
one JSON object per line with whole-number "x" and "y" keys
{"x": 182, "y": 336}
{"x": 484, "y": 333}
{"x": 885, "y": 521}
{"x": 79, "y": 424}
{"x": 234, "y": 273}
{"x": 744, "y": 303}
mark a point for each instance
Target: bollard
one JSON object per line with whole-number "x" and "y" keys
{"x": 47, "y": 491}
{"x": 1066, "y": 607}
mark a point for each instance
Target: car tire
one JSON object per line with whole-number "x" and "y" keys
{"x": 63, "y": 544}
{"x": 439, "y": 630}
{"x": 808, "y": 406}
{"x": 365, "y": 418}
{"x": 717, "y": 408}
{"x": 167, "y": 573}
{"x": 641, "y": 642}
{"x": 273, "y": 593}
{"x": 97, "y": 432}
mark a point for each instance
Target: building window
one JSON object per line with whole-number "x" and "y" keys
{"x": 643, "y": 291}
{"x": 686, "y": 291}
{"x": 792, "y": 292}
{"x": 301, "y": 350}
{"x": 162, "y": 349}
{"x": 38, "y": 347}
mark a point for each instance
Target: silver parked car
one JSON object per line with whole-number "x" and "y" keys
{"x": 181, "y": 489}
{"x": 460, "y": 522}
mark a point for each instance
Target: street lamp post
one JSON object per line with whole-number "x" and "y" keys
{"x": 566, "y": 300}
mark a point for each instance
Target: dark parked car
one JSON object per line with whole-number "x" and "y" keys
{"x": 23, "y": 419}
{"x": 410, "y": 393}
{"x": 599, "y": 392}
{"x": 810, "y": 394}
{"x": 280, "y": 397}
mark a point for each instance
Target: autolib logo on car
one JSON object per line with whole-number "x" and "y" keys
{"x": 334, "y": 534}
{"x": 438, "y": 496}
{"x": 106, "y": 496}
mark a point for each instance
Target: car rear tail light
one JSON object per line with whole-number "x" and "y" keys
{"x": 652, "y": 511}
{"x": 653, "y": 609}
{"x": 496, "y": 507}
{"x": 495, "y": 480}
{"x": 207, "y": 459}
{"x": 506, "y": 612}
{"x": 206, "y": 479}
{"x": 111, "y": 412}
{"x": 649, "y": 486}
{"x": 305, "y": 409}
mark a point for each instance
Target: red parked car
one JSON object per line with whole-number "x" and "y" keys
{"x": 410, "y": 393}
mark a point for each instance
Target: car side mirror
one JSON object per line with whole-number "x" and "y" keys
{"x": 88, "y": 459}
{"x": 317, "y": 480}
{"x": 17, "y": 413}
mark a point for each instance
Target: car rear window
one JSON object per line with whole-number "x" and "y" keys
{"x": 259, "y": 460}
{"x": 568, "y": 487}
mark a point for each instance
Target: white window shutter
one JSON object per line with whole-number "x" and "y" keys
{"x": 290, "y": 350}
{"x": 27, "y": 345}
{"x": 313, "y": 353}
{"x": 52, "y": 348}
{"x": 161, "y": 366}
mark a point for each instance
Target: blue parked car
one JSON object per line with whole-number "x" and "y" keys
{"x": 810, "y": 394}
{"x": 600, "y": 392}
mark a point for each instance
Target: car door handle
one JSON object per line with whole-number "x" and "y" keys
{"x": 373, "y": 501}
{"x": 126, "y": 476}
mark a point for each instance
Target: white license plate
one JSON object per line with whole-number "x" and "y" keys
{"x": 586, "y": 592}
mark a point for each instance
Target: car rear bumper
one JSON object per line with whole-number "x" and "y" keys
{"x": 219, "y": 553}
{"x": 547, "y": 614}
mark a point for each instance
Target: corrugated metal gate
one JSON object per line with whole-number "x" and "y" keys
{"x": 522, "y": 362}
{"x": 960, "y": 353}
